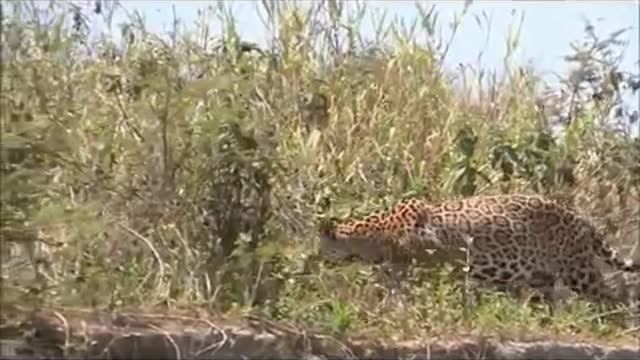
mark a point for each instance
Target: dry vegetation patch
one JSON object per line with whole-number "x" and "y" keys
{"x": 191, "y": 168}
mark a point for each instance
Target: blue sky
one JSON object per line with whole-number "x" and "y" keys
{"x": 547, "y": 29}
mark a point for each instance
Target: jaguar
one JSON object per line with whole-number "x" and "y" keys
{"x": 506, "y": 239}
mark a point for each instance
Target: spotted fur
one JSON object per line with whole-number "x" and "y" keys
{"x": 510, "y": 239}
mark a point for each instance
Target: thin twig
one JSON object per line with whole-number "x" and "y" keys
{"x": 631, "y": 330}
{"x": 608, "y": 313}
{"x": 254, "y": 290}
{"x": 176, "y": 348}
{"x": 67, "y": 335}
{"x": 150, "y": 246}
{"x": 217, "y": 345}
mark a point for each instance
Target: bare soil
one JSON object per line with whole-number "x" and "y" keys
{"x": 73, "y": 333}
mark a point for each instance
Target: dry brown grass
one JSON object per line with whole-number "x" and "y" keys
{"x": 163, "y": 173}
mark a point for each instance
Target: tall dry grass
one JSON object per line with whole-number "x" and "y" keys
{"x": 190, "y": 169}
